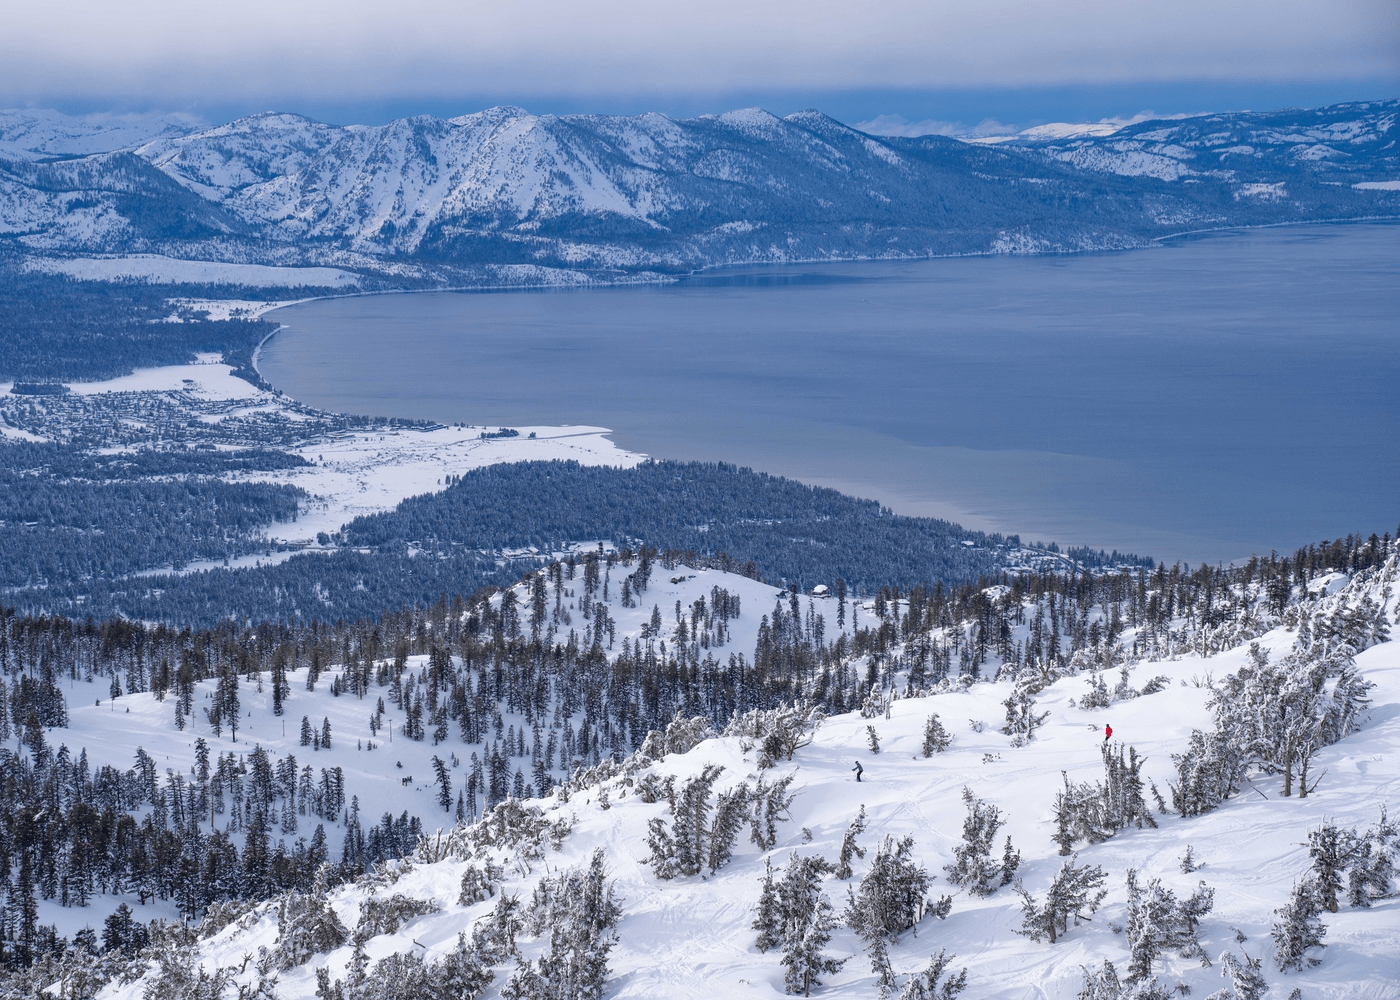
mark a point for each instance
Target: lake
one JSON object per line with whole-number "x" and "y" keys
{"x": 1204, "y": 399}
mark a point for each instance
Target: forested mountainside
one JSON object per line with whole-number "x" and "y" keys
{"x": 72, "y": 543}
{"x": 432, "y": 199}
{"x": 632, "y": 804}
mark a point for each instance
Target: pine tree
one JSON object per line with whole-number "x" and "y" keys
{"x": 1075, "y": 892}
{"x": 888, "y": 901}
{"x": 730, "y": 812}
{"x": 973, "y": 868}
{"x": 1149, "y": 925}
{"x": 1332, "y": 850}
{"x": 444, "y": 781}
{"x": 1298, "y": 927}
{"x": 1021, "y": 718}
{"x": 305, "y": 731}
{"x": 936, "y": 738}
{"x": 579, "y": 909}
{"x": 768, "y": 918}
{"x": 1189, "y": 863}
{"x": 1246, "y": 981}
{"x": 925, "y": 985}
{"x": 770, "y": 806}
{"x": 326, "y": 734}
{"x": 804, "y": 960}
{"x": 873, "y": 739}
{"x": 849, "y": 848}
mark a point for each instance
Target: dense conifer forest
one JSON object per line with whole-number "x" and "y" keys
{"x": 58, "y": 328}
{"x": 485, "y": 528}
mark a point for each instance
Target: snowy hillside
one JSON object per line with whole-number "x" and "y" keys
{"x": 42, "y": 134}
{"x": 1345, "y": 144}
{"x": 650, "y": 193}
{"x": 1220, "y": 695}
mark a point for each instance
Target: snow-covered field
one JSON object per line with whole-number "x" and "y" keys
{"x": 171, "y": 270}
{"x": 692, "y": 936}
{"x": 357, "y": 471}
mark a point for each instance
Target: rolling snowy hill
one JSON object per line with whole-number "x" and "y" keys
{"x": 653, "y": 194}
{"x": 486, "y": 905}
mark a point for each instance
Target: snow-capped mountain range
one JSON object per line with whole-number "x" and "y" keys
{"x": 651, "y": 193}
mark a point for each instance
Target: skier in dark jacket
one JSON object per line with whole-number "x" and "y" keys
{"x": 858, "y": 769}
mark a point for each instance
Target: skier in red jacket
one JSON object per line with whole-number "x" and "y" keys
{"x": 1107, "y": 732}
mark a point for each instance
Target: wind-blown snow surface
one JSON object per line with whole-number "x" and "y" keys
{"x": 691, "y": 937}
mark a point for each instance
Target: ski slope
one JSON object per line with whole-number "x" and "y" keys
{"x": 691, "y": 936}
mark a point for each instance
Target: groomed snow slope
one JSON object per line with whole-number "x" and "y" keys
{"x": 691, "y": 937}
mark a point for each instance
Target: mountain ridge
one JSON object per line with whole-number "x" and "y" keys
{"x": 610, "y": 194}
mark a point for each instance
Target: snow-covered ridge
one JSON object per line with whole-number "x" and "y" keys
{"x": 504, "y": 187}
{"x": 1330, "y": 143}
{"x": 33, "y": 134}
{"x": 692, "y": 933}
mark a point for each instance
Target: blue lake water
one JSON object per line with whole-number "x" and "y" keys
{"x": 1201, "y": 400}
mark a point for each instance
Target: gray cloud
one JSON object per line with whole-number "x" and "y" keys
{"x": 171, "y": 52}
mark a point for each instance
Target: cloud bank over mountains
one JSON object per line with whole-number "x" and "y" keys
{"x": 166, "y": 54}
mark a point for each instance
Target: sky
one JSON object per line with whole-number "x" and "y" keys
{"x": 926, "y": 63}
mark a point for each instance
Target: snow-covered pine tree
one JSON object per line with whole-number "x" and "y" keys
{"x": 1209, "y": 771}
{"x": 768, "y": 919}
{"x": 682, "y": 849}
{"x": 1298, "y": 927}
{"x": 444, "y": 782}
{"x": 1158, "y": 922}
{"x": 1104, "y": 984}
{"x": 1098, "y": 696}
{"x": 731, "y": 810}
{"x": 1010, "y": 862}
{"x": 1076, "y": 815}
{"x": 1123, "y": 802}
{"x": 662, "y": 847}
{"x": 770, "y": 803}
{"x": 1246, "y": 981}
{"x": 379, "y": 915}
{"x": 1371, "y": 873}
{"x": 849, "y": 848}
{"x": 936, "y": 737}
{"x": 872, "y": 739}
{"x": 1076, "y": 891}
{"x": 888, "y": 901}
{"x": 306, "y": 926}
{"x": 580, "y": 910}
{"x": 934, "y": 982}
{"x": 1332, "y": 851}
{"x": 494, "y": 937}
{"x": 1022, "y": 719}
{"x": 479, "y": 884}
{"x": 972, "y": 867}
{"x": 793, "y": 915}
{"x": 1188, "y": 863}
